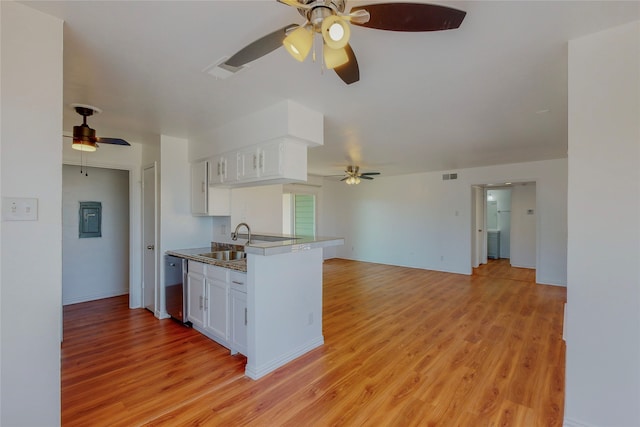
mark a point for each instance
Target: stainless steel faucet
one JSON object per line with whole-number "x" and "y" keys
{"x": 234, "y": 235}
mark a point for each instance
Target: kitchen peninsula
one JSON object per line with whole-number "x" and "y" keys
{"x": 283, "y": 296}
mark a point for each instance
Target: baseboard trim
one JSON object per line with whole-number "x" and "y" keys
{"x": 86, "y": 298}
{"x": 257, "y": 372}
{"x": 568, "y": 422}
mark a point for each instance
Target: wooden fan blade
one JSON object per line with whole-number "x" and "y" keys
{"x": 370, "y": 173}
{"x": 349, "y": 72}
{"x": 115, "y": 141}
{"x": 365, "y": 177}
{"x": 260, "y": 47}
{"x": 411, "y": 17}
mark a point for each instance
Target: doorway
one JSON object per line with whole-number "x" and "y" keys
{"x": 511, "y": 211}
{"x": 95, "y": 265}
{"x": 149, "y": 237}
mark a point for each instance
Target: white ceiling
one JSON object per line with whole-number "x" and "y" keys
{"x": 493, "y": 91}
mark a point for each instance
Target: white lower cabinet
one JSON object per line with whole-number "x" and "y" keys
{"x": 217, "y": 309}
{"x": 195, "y": 297}
{"x": 217, "y": 299}
{"x": 238, "y": 317}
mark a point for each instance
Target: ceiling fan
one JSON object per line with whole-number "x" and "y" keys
{"x": 327, "y": 18}
{"x": 84, "y": 137}
{"x": 353, "y": 175}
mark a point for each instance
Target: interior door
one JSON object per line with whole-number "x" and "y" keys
{"x": 149, "y": 238}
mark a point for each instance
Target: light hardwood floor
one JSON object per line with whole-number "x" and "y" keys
{"x": 403, "y": 347}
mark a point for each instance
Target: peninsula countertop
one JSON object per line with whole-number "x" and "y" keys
{"x": 261, "y": 244}
{"x": 276, "y": 244}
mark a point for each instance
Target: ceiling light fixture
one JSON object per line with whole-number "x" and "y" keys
{"x": 335, "y": 32}
{"x": 352, "y": 180}
{"x": 298, "y": 43}
{"x": 334, "y": 57}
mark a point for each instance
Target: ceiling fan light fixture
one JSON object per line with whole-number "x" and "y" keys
{"x": 334, "y": 57}
{"x": 298, "y": 43}
{"x": 87, "y": 146}
{"x": 335, "y": 32}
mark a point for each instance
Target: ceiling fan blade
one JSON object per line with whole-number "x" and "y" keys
{"x": 260, "y": 47}
{"x": 370, "y": 173}
{"x": 357, "y": 17}
{"x": 411, "y": 17}
{"x": 349, "y": 72}
{"x": 364, "y": 177}
{"x": 296, "y": 4}
{"x": 115, "y": 141}
{"x": 345, "y": 178}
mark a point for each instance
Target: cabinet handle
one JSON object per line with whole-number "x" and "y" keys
{"x": 245, "y": 316}
{"x": 201, "y": 305}
{"x": 219, "y": 168}
{"x": 255, "y": 160}
{"x": 237, "y": 283}
{"x": 224, "y": 168}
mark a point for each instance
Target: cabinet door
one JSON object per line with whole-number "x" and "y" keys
{"x": 199, "y": 188}
{"x": 216, "y": 170}
{"x": 231, "y": 169}
{"x": 195, "y": 299}
{"x": 238, "y": 335}
{"x": 217, "y": 308}
{"x": 249, "y": 163}
{"x": 270, "y": 160}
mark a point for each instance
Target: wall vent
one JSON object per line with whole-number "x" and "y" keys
{"x": 448, "y": 176}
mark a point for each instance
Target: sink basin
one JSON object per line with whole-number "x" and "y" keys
{"x": 225, "y": 255}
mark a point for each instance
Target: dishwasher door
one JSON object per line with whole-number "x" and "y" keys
{"x": 175, "y": 287}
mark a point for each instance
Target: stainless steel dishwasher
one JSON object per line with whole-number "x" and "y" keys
{"x": 175, "y": 288}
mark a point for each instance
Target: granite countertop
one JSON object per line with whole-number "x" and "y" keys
{"x": 275, "y": 244}
{"x": 261, "y": 244}
{"x": 193, "y": 254}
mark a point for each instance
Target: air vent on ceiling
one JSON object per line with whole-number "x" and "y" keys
{"x": 220, "y": 70}
{"x": 448, "y": 176}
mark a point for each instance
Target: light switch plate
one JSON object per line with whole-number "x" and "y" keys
{"x": 19, "y": 209}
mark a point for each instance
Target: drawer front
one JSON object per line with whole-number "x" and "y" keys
{"x": 196, "y": 267}
{"x": 217, "y": 273}
{"x": 239, "y": 281}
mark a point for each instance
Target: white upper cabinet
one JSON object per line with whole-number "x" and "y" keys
{"x": 207, "y": 200}
{"x": 223, "y": 169}
{"x": 279, "y": 161}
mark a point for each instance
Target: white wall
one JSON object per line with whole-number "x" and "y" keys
{"x": 178, "y": 228}
{"x": 31, "y": 287}
{"x": 260, "y": 207}
{"x": 431, "y": 219}
{"x": 523, "y": 225}
{"x": 130, "y": 159}
{"x": 603, "y": 308}
{"x": 94, "y": 268}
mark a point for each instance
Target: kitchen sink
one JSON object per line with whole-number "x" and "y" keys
{"x": 225, "y": 255}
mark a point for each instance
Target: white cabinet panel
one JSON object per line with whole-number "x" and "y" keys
{"x": 199, "y": 188}
{"x": 205, "y": 199}
{"x": 217, "y": 308}
{"x": 238, "y": 333}
{"x": 195, "y": 298}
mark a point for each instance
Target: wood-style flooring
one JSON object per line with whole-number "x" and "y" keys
{"x": 403, "y": 347}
